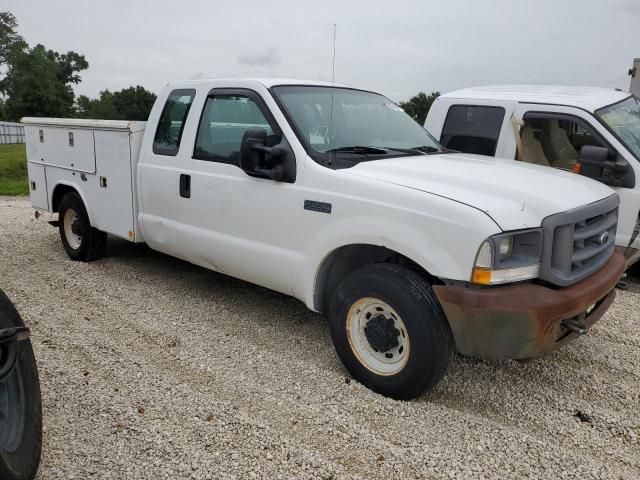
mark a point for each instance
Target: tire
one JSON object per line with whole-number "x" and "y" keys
{"x": 81, "y": 241}
{"x": 19, "y": 451}
{"x": 634, "y": 271}
{"x": 391, "y": 301}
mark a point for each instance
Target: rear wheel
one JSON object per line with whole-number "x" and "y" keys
{"x": 389, "y": 331}
{"x": 80, "y": 240}
{"x": 20, "y": 405}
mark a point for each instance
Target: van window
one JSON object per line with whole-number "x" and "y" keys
{"x": 171, "y": 124}
{"x": 224, "y": 121}
{"x": 472, "y": 129}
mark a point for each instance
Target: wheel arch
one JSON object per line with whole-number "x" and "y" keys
{"x": 343, "y": 260}
{"x": 61, "y": 189}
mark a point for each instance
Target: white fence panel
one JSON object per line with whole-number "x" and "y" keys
{"x": 11, "y": 133}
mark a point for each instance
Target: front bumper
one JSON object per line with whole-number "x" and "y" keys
{"x": 525, "y": 320}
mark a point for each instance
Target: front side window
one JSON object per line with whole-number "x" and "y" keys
{"x": 361, "y": 125}
{"x": 224, "y": 121}
{"x": 555, "y": 140}
{"x": 171, "y": 124}
{"x": 473, "y": 129}
{"x": 623, "y": 119}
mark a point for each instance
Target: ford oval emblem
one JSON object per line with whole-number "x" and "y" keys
{"x": 604, "y": 238}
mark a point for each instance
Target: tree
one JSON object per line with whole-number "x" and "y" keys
{"x": 133, "y": 103}
{"x": 9, "y": 38}
{"x": 419, "y": 105}
{"x": 38, "y": 81}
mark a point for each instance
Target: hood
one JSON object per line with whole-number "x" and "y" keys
{"x": 514, "y": 194}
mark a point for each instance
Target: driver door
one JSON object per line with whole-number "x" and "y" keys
{"x": 235, "y": 223}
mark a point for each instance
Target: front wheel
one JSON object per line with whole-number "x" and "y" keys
{"x": 81, "y": 241}
{"x": 390, "y": 331}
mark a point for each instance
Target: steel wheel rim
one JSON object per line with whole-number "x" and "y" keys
{"x": 12, "y": 410}
{"x": 71, "y": 222}
{"x": 385, "y": 363}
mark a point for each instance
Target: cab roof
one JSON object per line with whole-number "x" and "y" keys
{"x": 267, "y": 82}
{"x": 587, "y": 98}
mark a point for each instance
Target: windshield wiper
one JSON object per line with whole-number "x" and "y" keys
{"x": 361, "y": 149}
{"x": 427, "y": 149}
{"x": 424, "y": 150}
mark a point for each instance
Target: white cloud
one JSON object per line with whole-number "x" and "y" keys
{"x": 267, "y": 57}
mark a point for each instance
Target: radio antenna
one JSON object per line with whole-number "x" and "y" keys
{"x": 333, "y": 82}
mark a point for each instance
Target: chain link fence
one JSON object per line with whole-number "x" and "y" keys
{"x": 11, "y": 133}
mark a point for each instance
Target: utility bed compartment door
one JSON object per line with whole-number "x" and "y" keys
{"x": 71, "y": 148}
{"x": 113, "y": 202}
{"x": 38, "y": 186}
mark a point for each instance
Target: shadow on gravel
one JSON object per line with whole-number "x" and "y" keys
{"x": 125, "y": 253}
{"x": 270, "y": 316}
{"x": 471, "y": 383}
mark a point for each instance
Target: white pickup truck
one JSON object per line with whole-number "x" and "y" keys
{"x": 335, "y": 196}
{"x": 591, "y": 131}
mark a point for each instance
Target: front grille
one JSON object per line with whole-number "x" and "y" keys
{"x": 578, "y": 242}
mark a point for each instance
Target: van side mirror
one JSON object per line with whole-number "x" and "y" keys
{"x": 596, "y": 162}
{"x": 256, "y": 159}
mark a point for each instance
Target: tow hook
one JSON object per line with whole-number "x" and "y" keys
{"x": 9, "y": 338}
{"x": 575, "y": 326}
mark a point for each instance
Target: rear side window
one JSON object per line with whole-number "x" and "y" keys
{"x": 472, "y": 129}
{"x": 171, "y": 124}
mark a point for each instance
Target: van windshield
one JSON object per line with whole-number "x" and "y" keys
{"x": 362, "y": 126}
{"x": 623, "y": 118}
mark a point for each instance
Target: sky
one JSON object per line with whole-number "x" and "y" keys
{"x": 397, "y": 47}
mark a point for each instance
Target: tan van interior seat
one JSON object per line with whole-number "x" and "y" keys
{"x": 532, "y": 151}
{"x": 557, "y": 147}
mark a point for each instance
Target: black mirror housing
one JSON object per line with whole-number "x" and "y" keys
{"x": 596, "y": 162}
{"x": 258, "y": 160}
{"x": 250, "y": 157}
{"x": 594, "y": 153}
{"x": 592, "y": 159}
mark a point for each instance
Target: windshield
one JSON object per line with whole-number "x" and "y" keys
{"x": 623, "y": 118}
{"x": 363, "y": 125}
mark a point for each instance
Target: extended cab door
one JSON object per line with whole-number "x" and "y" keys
{"x": 553, "y": 135}
{"x": 158, "y": 173}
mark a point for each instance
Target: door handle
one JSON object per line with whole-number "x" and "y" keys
{"x": 185, "y": 185}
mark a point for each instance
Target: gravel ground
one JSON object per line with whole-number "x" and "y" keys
{"x": 154, "y": 368}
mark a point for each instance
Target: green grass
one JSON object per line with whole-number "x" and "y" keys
{"x": 13, "y": 170}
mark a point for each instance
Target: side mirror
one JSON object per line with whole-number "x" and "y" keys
{"x": 591, "y": 159}
{"x": 256, "y": 159}
{"x": 594, "y": 153}
{"x": 596, "y": 162}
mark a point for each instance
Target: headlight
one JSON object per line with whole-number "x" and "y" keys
{"x": 508, "y": 257}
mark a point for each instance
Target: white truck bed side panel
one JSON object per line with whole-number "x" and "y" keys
{"x": 38, "y": 186}
{"x": 61, "y": 147}
{"x": 135, "y": 144}
{"x": 97, "y": 158}
{"x": 113, "y": 195}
